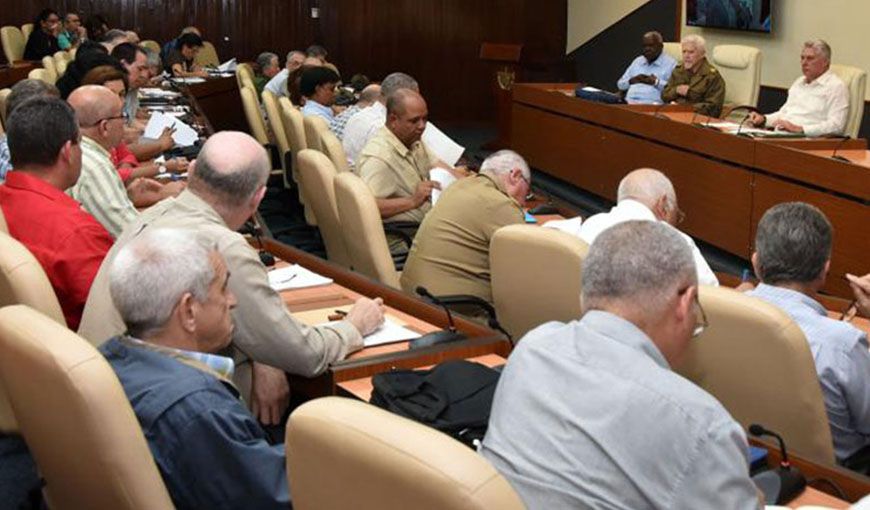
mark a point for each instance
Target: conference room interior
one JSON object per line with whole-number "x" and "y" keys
{"x": 508, "y": 75}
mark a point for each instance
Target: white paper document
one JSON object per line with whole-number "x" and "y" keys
{"x": 184, "y": 135}
{"x": 389, "y": 332}
{"x": 295, "y": 277}
{"x": 156, "y": 92}
{"x": 442, "y": 145}
{"x": 570, "y": 226}
{"x": 228, "y": 66}
{"x": 189, "y": 79}
{"x": 442, "y": 177}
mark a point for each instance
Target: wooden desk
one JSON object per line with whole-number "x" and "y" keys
{"x": 724, "y": 182}
{"x": 12, "y": 74}
{"x": 220, "y": 101}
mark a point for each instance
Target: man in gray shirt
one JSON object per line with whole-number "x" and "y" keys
{"x": 792, "y": 258}
{"x": 589, "y": 414}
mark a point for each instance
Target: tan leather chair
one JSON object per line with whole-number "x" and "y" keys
{"x": 363, "y": 230}
{"x": 253, "y": 115}
{"x": 50, "y": 69}
{"x": 39, "y": 74}
{"x": 75, "y": 417}
{"x": 525, "y": 298}
{"x": 61, "y": 66}
{"x": 740, "y": 67}
{"x": 207, "y": 55}
{"x": 4, "y": 94}
{"x": 26, "y": 30}
{"x": 294, "y": 129}
{"x": 13, "y": 43}
{"x": 348, "y": 454}
{"x": 317, "y": 175}
{"x": 856, "y": 81}
{"x": 151, "y": 45}
{"x": 674, "y": 49}
{"x": 314, "y": 129}
{"x": 331, "y": 146}
{"x": 244, "y": 69}
{"x": 273, "y": 116}
{"x": 756, "y": 361}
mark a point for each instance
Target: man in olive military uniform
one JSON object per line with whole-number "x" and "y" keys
{"x": 450, "y": 254}
{"x": 695, "y": 81}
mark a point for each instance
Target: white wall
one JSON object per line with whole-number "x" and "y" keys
{"x": 844, "y": 24}
{"x": 588, "y": 18}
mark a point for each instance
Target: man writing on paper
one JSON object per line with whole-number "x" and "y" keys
{"x": 818, "y": 101}
{"x": 648, "y": 75}
{"x": 226, "y": 184}
{"x": 450, "y": 254}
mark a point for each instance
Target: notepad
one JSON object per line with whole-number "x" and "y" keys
{"x": 442, "y": 145}
{"x": 228, "y": 66}
{"x": 189, "y": 79}
{"x": 442, "y": 177}
{"x": 295, "y": 277}
{"x": 570, "y": 226}
{"x": 183, "y": 136}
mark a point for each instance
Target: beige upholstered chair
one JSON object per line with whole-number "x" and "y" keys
{"x": 740, "y": 67}
{"x": 363, "y": 230}
{"x": 294, "y": 129}
{"x": 39, "y": 74}
{"x": 756, "y": 361}
{"x": 26, "y": 30}
{"x": 316, "y": 174}
{"x": 50, "y": 69}
{"x": 331, "y": 146}
{"x": 244, "y": 69}
{"x": 525, "y": 299}
{"x": 348, "y": 454}
{"x": 4, "y": 93}
{"x": 75, "y": 417}
{"x": 151, "y": 45}
{"x": 207, "y": 55}
{"x": 314, "y": 129}
{"x": 60, "y": 66}
{"x": 273, "y": 115}
{"x": 253, "y": 115}
{"x": 13, "y": 43}
{"x": 675, "y": 50}
{"x": 856, "y": 81}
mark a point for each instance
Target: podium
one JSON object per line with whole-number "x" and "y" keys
{"x": 504, "y": 61}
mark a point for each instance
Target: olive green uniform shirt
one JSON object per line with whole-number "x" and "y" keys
{"x": 450, "y": 254}
{"x": 706, "y": 88}
{"x": 264, "y": 330}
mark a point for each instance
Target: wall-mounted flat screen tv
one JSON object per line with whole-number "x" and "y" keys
{"x": 751, "y": 15}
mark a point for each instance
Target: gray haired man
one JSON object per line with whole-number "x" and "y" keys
{"x": 792, "y": 259}
{"x": 588, "y": 414}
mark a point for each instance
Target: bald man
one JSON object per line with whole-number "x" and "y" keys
{"x": 395, "y": 163}
{"x": 367, "y": 97}
{"x": 226, "y": 184}
{"x": 646, "y": 194}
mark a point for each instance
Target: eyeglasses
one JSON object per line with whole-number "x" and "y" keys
{"x": 123, "y": 115}
{"x": 704, "y": 324}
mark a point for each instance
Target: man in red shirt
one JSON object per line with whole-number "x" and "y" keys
{"x": 44, "y": 142}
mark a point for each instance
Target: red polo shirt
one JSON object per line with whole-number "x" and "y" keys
{"x": 67, "y": 241}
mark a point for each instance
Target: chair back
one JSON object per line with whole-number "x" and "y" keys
{"x": 756, "y": 361}
{"x": 26, "y": 30}
{"x": 151, "y": 45}
{"x": 13, "y": 43}
{"x": 525, "y": 299}
{"x": 4, "y": 94}
{"x": 363, "y": 230}
{"x": 253, "y": 115}
{"x": 331, "y": 146}
{"x": 314, "y": 128}
{"x": 317, "y": 176}
{"x": 39, "y": 74}
{"x": 273, "y": 115}
{"x": 856, "y": 81}
{"x": 75, "y": 417}
{"x": 50, "y": 69}
{"x": 348, "y": 454}
{"x": 740, "y": 67}
{"x": 294, "y": 129}
{"x": 207, "y": 55}
{"x": 23, "y": 281}
{"x": 244, "y": 69}
{"x": 60, "y": 66}
{"x": 674, "y": 49}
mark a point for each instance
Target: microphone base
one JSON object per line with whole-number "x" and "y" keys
{"x": 435, "y": 338}
{"x": 793, "y": 484}
{"x": 841, "y": 158}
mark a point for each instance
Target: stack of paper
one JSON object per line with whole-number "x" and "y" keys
{"x": 189, "y": 79}
{"x": 389, "y": 332}
{"x": 571, "y": 226}
{"x": 295, "y": 277}
{"x": 229, "y": 66}
{"x": 442, "y": 177}
{"x": 156, "y": 92}
{"x": 442, "y": 145}
{"x": 184, "y": 135}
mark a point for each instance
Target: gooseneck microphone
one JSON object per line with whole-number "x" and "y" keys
{"x": 424, "y": 292}
{"x": 436, "y": 337}
{"x": 784, "y": 483}
{"x": 749, "y": 111}
{"x": 843, "y": 140}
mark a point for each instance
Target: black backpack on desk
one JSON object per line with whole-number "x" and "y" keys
{"x": 455, "y": 397}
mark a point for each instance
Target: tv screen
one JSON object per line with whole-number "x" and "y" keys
{"x": 752, "y": 15}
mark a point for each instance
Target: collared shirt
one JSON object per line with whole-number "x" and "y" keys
{"x": 340, "y": 121}
{"x": 264, "y": 329}
{"x": 221, "y": 366}
{"x": 706, "y": 88}
{"x": 627, "y": 210}
{"x": 131, "y": 105}
{"x": 67, "y": 39}
{"x": 589, "y": 415}
{"x": 361, "y": 128}
{"x": 5, "y": 158}
{"x": 175, "y": 57}
{"x": 821, "y": 107}
{"x": 100, "y": 189}
{"x": 68, "y": 242}
{"x": 450, "y": 254}
{"x": 661, "y": 68}
{"x": 278, "y": 84}
{"x": 842, "y": 360}
{"x": 210, "y": 450}
{"x": 313, "y": 108}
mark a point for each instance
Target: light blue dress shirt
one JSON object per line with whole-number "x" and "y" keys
{"x": 661, "y": 68}
{"x": 318, "y": 110}
{"x": 842, "y": 362}
{"x": 589, "y": 415}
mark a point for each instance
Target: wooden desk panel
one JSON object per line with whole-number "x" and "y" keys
{"x": 220, "y": 101}
{"x": 812, "y": 170}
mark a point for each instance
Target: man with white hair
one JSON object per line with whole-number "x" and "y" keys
{"x": 278, "y": 84}
{"x": 646, "y": 194}
{"x": 695, "y": 81}
{"x": 171, "y": 289}
{"x": 589, "y": 414}
{"x": 818, "y": 101}
{"x": 226, "y": 184}
{"x": 450, "y": 254}
{"x": 267, "y": 67}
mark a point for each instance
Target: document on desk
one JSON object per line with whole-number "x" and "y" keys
{"x": 442, "y": 177}
{"x": 389, "y": 332}
{"x": 569, "y": 226}
{"x": 295, "y": 277}
{"x": 183, "y": 136}
{"x": 157, "y": 92}
{"x": 442, "y": 145}
{"x": 189, "y": 79}
{"x": 228, "y": 66}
